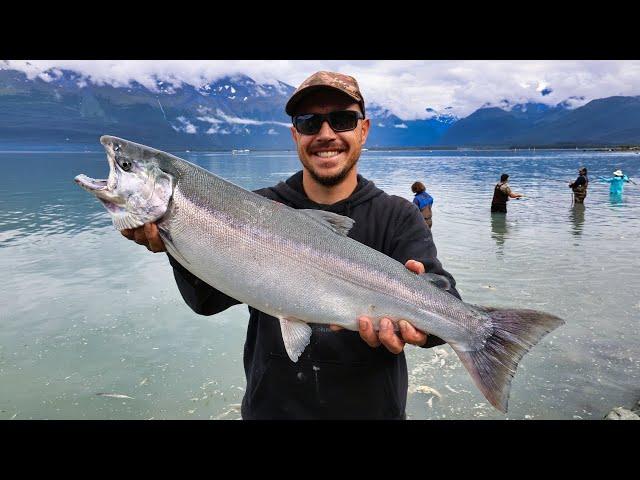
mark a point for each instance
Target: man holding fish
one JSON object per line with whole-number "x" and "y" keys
{"x": 324, "y": 260}
{"x": 341, "y": 374}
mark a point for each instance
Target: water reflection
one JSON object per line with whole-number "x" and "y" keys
{"x": 576, "y": 214}
{"x": 499, "y": 229}
{"x": 615, "y": 198}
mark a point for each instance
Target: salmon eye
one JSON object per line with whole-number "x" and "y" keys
{"x": 124, "y": 163}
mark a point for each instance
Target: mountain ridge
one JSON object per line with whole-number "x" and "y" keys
{"x": 61, "y": 107}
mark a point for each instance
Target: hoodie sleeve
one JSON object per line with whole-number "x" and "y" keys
{"x": 413, "y": 241}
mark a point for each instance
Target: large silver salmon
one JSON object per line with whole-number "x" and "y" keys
{"x": 300, "y": 267}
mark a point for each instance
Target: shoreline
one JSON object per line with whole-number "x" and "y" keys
{"x": 81, "y": 148}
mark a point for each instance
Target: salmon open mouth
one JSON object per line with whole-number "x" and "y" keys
{"x": 90, "y": 184}
{"x": 100, "y": 189}
{"x": 104, "y": 189}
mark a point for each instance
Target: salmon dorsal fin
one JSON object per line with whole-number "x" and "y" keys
{"x": 337, "y": 223}
{"x": 296, "y": 336}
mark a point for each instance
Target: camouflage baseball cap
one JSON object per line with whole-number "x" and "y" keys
{"x": 337, "y": 81}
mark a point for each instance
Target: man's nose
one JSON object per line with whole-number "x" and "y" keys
{"x": 325, "y": 131}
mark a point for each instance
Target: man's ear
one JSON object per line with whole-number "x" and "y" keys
{"x": 366, "y": 123}
{"x": 293, "y": 135}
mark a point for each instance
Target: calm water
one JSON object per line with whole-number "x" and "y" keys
{"x": 84, "y": 311}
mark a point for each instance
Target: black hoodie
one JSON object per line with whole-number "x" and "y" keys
{"x": 338, "y": 376}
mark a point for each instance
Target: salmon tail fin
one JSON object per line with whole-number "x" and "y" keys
{"x": 494, "y": 364}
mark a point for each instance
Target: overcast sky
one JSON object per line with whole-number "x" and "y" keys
{"x": 404, "y": 87}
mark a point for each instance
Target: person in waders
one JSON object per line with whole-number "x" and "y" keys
{"x": 501, "y": 194}
{"x": 580, "y": 185}
{"x": 423, "y": 201}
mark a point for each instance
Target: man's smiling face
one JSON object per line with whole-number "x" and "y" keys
{"x": 329, "y": 156}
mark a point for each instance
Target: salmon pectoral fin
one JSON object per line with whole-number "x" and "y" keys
{"x": 173, "y": 251}
{"x": 296, "y": 335}
{"x": 493, "y": 366}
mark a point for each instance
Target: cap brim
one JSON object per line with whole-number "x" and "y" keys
{"x": 295, "y": 99}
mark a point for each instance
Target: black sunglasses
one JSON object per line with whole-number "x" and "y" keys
{"x": 340, "y": 121}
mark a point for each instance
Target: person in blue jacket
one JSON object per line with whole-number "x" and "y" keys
{"x": 616, "y": 183}
{"x": 423, "y": 201}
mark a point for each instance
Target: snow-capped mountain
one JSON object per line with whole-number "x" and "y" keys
{"x": 63, "y": 108}
{"x": 231, "y": 112}
{"x": 605, "y": 121}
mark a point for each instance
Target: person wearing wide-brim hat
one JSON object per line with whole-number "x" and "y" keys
{"x": 616, "y": 183}
{"x": 579, "y": 186}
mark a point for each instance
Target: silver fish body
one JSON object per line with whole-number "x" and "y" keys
{"x": 287, "y": 263}
{"x": 299, "y": 265}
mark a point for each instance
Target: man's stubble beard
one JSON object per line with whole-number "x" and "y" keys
{"x": 333, "y": 180}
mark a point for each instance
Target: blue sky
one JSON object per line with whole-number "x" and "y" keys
{"x": 405, "y": 87}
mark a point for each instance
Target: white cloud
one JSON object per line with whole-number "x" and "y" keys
{"x": 46, "y": 77}
{"x": 400, "y": 125}
{"x": 247, "y": 121}
{"x": 235, "y": 121}
{"x": 209, "y": 119}
{"x": 186, "y": 126}
{"x": 405, "y": 88}
{"x": 272, "y": 132}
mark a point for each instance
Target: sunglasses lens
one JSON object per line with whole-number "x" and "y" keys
{"x": 343, "y": 121}
{"x": 308, "y": 124}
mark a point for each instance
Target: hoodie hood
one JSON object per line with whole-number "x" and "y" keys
{"x": 292, "y": 193}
